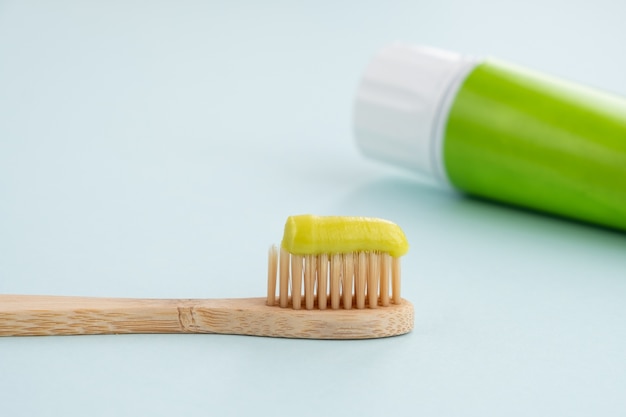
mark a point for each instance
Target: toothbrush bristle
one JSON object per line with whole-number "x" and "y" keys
{"x": 359, "y": 280}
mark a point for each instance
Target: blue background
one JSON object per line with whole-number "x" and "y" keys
{"x": 155, "y": 149}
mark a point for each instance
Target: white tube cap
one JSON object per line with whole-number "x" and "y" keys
{"x": 402, "y": 104}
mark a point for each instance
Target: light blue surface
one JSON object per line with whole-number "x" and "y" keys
{"x": 155, "y": 150}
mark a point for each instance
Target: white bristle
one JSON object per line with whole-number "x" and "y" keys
{"x": 373, "y": 276}
{"x": 385, "y": 260}
{"x": 272, "y": 268}
{"x": 296, "y": 281}
{"x": 395, "y": 280}
{"x": 335, "y": 280}
{"x": 322, "y": 281}
{"x": 310, "y": 262}
{"x": 359, "y": 279}
{"x": 348, "y": 279}
{"x": 284, "y": 278}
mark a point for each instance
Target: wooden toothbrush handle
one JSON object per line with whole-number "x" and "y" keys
{"x": 35, "y": 315}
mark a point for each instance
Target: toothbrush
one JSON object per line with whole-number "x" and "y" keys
{"x": 350, "y": 268}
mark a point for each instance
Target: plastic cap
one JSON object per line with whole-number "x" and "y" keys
{"x": 402, "y": 103}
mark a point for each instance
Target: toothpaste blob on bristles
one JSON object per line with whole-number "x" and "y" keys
{"x": 308, "y": 234}
{"x": 338, "y": 262}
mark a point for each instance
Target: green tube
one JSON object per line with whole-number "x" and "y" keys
{"x": 523, "y": 138}
{"x": 497, "y": 131}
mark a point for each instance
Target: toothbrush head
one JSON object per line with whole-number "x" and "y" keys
{"x": 337, "y": 262}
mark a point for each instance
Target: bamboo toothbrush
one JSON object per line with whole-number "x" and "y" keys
{"x": 345, "y": 263}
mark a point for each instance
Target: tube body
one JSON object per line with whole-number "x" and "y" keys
{"x": 534, "y": 141}
{"x": 497, "y": 131}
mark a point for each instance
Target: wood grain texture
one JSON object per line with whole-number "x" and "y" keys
{"x": 26, "y": 315}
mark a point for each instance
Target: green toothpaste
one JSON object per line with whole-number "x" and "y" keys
{"x": 496, "y": 130}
